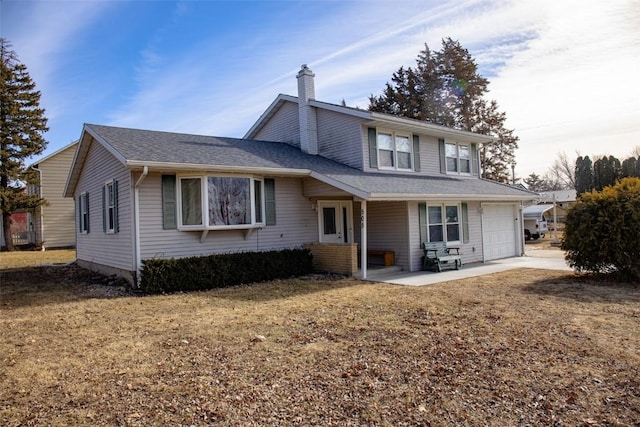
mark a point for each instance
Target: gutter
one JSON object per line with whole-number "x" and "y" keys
{"x": 136, "y": 215}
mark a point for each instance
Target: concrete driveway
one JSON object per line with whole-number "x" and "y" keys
{"x": 547, "y": 259}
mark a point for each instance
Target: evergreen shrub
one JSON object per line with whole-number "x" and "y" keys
{"x": 602, "y": 231}
{"x": 222, "y": 270}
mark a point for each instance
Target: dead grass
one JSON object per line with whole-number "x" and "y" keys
{"x": 526, "y": 347}
{"x": 30, "y": 258}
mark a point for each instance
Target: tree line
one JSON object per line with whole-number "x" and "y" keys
{"x": 584, "y": 175}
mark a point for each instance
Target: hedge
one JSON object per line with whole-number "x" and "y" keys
{"x": 602, "y": 231}
{"x": 222, "y": 270}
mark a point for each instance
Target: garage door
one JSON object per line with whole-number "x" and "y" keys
{"x": 499, "y": 231}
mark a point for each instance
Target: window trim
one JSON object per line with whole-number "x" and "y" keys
{"x": 457, "y": 158}
{"x": 394, "y": 135}
{"x": 443, "y": 212}
{"x": 83, "y": 210}
{"x": 204, "y": 203}
{"x": 110, "y": 210}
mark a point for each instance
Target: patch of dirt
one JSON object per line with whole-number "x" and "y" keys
{"x": 524, "y": 347}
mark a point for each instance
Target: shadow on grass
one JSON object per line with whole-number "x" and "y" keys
{"x": 285, "y": 288}
{"x": 37, "y": 286}
{"x": 587, "y": 288}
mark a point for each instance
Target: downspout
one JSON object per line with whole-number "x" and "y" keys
{"x": 41, "y": 219}
{"x": 136, "y": 214}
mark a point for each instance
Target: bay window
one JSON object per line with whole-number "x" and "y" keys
{"x": 213, "y": 202}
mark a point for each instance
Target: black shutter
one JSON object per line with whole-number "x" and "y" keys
{"x": 86, "y": 195}
{"x": 373, "y": 151}
{"x": 422, "y": 222}
{"x": 80, "y": 213}
{"x": 443, "y": 157}
{"x": 169, "y": 203}
{"x": 104, "y": 211}
{"x": 270, "y": 201}
{"x": 416, "y": 153}
{"x": 465, "y": 223}
{"x": 116, "y": 226}
{"x": 474, "y": 159}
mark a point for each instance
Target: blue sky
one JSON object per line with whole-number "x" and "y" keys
{"x": 564, "y": 71}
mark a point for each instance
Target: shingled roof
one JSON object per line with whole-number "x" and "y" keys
{"x": 184, "y": 152}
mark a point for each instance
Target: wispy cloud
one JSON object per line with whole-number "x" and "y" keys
{"x": 564, "y": 71}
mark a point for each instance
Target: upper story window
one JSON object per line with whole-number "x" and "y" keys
{"x": 394, "y": 150}
{"x": 458, "y": 158}
{"x": 214, "y": 202}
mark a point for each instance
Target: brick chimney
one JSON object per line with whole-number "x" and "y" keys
{"x": 307, "y": 113}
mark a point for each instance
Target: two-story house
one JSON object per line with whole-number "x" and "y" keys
{"x": 344, "y": 182}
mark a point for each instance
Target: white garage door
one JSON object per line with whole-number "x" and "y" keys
{"x": 499, "y": 231}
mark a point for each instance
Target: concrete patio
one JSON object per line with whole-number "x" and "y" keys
{"x": 547, "y": 259}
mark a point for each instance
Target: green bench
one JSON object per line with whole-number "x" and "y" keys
{"x": 438, "y": 257}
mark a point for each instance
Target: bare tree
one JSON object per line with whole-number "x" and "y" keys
{"x": 561, "y": 175}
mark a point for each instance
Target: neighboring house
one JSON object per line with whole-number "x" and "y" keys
{"x": 53, "y": 222}
{"x": 332, "y": 178}
{"x": 20, "y": 229}
{"x": 563, "y": 200}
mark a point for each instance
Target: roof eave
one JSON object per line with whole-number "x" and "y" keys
{"x": 186, "y": 167}
{"x": 445, "y": 197}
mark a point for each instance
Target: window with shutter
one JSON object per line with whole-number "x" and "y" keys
{"x": 169, "y": 214}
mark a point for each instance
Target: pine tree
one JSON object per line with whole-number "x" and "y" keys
{"x": 446, "y": 89}
{"x": 606, "y": 172}
{"x": 535, "y": 183}
{"x": 584, "y": 175}
{"x": 22, "y": 125}
{"x": 630, "y": 167}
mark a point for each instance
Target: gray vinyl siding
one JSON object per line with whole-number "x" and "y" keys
{"x": 387, "y": 229}
{"x": 471, "y": 251}
{"x": 339, "y": 136}
{"x": 314, "y": 188}
{"x": 114, "y": 250}
{"x": 58, "y": 216}
{"x": 429, "y": 155}
{"x": 296, "y": 224}
{"x": 283, "y": 126}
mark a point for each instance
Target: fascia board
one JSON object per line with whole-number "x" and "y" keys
{"x": 388, "y": 197}
{"x": 166, "y": 166}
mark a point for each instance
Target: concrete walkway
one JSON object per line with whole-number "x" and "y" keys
{"x": 547, "y": 259}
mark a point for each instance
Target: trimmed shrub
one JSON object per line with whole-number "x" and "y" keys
{"x": 602, "y": 231}
{"x": 222, "y": 270}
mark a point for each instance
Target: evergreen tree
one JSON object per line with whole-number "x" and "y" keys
{"x": 584, "y": 175}
{"x": 22, "y": 125}
{"x": 445, "y": 88}
{"x": 606, "y": 171}
{"x": 630, "y": 167}
{"x": 535, "y": 183}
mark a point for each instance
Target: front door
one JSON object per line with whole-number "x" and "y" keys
{"x": 334, "y": 219}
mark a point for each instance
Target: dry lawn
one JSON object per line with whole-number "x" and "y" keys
{"x": 527, "y": 347}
